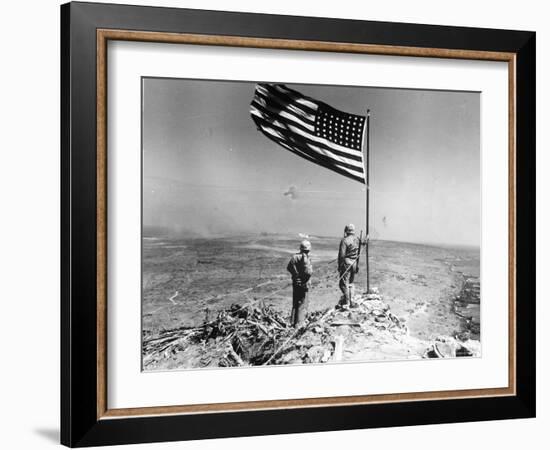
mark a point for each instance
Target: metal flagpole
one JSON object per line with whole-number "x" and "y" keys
{"x": 367, "y": 177}
{"x": 366, "y": 131}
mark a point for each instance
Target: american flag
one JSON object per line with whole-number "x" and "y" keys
{"x": 310, "y": 128}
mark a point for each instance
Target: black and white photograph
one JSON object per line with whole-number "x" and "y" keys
{"x": 307, "y": 224}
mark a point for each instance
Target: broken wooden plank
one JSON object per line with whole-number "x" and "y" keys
{"x": 338, "y": 348}
{"x": 234, "y": 355}
{"x": 283, "y": 346}
{"x": 341, "y": 324}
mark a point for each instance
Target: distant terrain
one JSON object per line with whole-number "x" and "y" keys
{"x": 186, "y": 282}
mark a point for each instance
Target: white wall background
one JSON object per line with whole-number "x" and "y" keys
{"x": 29, "y": 189}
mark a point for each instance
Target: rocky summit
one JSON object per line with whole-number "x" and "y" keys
{"x": 255, "y": 334}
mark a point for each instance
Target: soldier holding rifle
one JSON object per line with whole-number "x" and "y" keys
{"x": 348, "y": 263}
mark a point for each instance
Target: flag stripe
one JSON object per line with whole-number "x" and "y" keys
{"x": 276, "y": 91}
{"x": 310, "y": 129}
{"x": 302, "y": 100}
{"x": 352, "y": 161}
{"x": 304, "y": 148}
{"x": 313, "y": 154}
{"x": 294, "y": 96}
{"x": 308, "y": 132}
{"x": 328, "y": 165}
{"x": 269, "y": 111}
{"x": 277, "y": 104}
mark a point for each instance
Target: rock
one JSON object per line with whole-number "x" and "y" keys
{"x": 326, "y": 356}
{"x": 448, "y": 347}
{"x": 315, "y": 354}
{"x": 393, "y": 317}
{"x": 463, "y": 336}
{"x": 463, "y": 351}
{"x": 445, "y": 349}
{"x": 473, "y": 347}
{"x": 431, "y": 353}
{"x": 292, "y": 357}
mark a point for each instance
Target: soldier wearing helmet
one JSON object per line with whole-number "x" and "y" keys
{"x": 347, "y": 263}
{"x": 300, "y": 269}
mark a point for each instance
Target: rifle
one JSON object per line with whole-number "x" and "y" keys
{"x": 359, "y": 254}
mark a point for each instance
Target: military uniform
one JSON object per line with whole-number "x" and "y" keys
{"x": 347, "y": 264}
{"x": 301, "y": 270}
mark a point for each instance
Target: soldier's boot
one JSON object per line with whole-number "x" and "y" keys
{"x": 347, "y": 299}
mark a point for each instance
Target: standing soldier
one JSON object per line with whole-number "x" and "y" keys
{"x": 348, "y": 263}
{"x": 300, "y": 269}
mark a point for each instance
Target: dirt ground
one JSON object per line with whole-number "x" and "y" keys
{"x": 187, "y": 281}
{"x": 420, "y": 282}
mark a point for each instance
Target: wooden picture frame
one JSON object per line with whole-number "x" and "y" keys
{"x": 86, "y": 418}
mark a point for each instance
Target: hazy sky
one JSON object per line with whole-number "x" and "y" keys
{"x": 207, "y": 169}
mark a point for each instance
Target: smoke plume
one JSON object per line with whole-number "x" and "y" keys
{"x": 292, "y": 193}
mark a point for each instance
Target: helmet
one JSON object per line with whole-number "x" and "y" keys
{"x": 305, "y": 245}
{"x": 349, "y": 228}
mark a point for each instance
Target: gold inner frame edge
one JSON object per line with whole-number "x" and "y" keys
{"x": 103, "y": 36}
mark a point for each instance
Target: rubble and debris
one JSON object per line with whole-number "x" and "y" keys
{"x": 449, "y": 347}
{"x": 466, "y": 305}
{"x": 255, "y": 334}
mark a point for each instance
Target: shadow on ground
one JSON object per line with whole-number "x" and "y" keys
{"x": 50, "y": 434}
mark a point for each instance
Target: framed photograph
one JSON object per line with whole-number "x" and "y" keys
{"x": 277, "y": 224}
